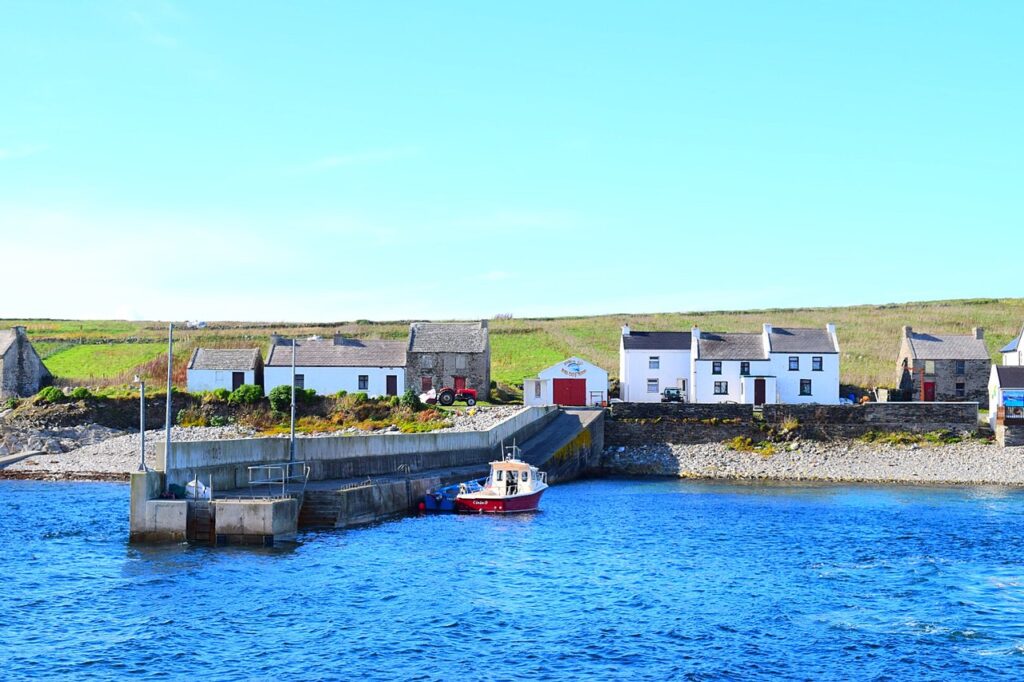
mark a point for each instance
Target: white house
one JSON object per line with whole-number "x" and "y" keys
{"x": 1006, "y": 392}
{"x": 227, "y": 368}
{"x": 331, "y": 365}
{"x": 650, "y": 362}
{"x": 572, "y": 382}
{"x": 778, "y": 365}
{"x": 1013, "y": 352}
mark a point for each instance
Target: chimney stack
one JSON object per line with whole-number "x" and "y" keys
{"x": 625, "y": 330}
{"x": 907, "y": 331}
{"x": 483, "y": 324}
{"x": 695, "y": 332}
{"x": 338, "y": 339}
{"x": 979, "y": 332}
{"x": 275, "y": 339}
{"x": 767, "y": 328}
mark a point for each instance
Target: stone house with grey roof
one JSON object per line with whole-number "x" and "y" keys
{"x": 228, "y": 368}
{"x": 778, "y": 365}
{"x": 947, "y": 367}
{"x": 455, "y": 354}
{"x": 338, "y": 364}
{"x": 22, "y": 372}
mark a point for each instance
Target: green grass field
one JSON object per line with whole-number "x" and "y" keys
{"x": 868, "y": 335}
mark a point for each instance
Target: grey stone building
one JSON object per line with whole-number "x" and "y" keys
{"x": 22, "y": 373}
{"x": 456, "y": 354}
{"x": 952, "y": 368}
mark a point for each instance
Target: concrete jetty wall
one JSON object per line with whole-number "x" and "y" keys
{"x": 226, "y": 462}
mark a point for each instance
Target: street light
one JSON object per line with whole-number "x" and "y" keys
{"x": 142, "y": 422}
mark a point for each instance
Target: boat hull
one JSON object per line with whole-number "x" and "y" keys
{"x": 498, "y": 505}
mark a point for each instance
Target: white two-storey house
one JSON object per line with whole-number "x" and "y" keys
{"x": 779, "y": 365}
{"x": 650, "y": 362}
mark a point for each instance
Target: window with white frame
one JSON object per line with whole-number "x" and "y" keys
{"x": 929, "y": 367}
{"x": 716, "y": 367}
{"x": 961, "y": 390}
{"x": 816, "y": 363}
{"x": 652, "y": 386}
{"x": 961, "y": 367}
{"x": 794, "y": 363}
{"x": 721, "y": 388}
{"x": 460, "y": 362}
{"x": 428, "y": 360}
{"x": 745, "y": 369}
{"x": 300, "y": 381}
{"x": 364, "y": 382}
{"x": 805, "y": 387}
{"x": 654, "y": 362}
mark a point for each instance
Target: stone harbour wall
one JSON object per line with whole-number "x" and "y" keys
{"x": 639, "y": 424}
{"x": 850, "y": 421}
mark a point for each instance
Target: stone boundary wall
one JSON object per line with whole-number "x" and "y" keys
{"x": 639, "y": 424}
{"x": 226, "y": 462}
{"x": 850, "y": 421}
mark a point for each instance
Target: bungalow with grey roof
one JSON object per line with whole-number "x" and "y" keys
{"x": 228, "y": 368}
{"x": 944, "y": 367}
{"x": 339, "y": 364}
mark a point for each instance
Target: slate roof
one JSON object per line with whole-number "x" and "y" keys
{"x": 934, "y": 347}
{"x": 801, "y": 341}
{"x": 712, "y": 346}
{"x": 234, "y": 359}
{"x": 1010, "y": 377}
{"x": 7, "y": 339}
{"x": 347, "y": 353}
{"x": 1013, "y": 345}
{"x": 447, "y": 337}
{"x": 657, "y": 341}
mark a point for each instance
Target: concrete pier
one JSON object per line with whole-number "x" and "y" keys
{"x": 354, "y": 480}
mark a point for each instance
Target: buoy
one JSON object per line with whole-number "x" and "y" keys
{"x": 423, "y": 506}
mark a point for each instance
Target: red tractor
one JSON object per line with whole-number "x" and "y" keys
{"x": 447, "y": 396}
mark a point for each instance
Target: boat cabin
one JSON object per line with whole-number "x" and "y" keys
{"x": 514, "y": 477}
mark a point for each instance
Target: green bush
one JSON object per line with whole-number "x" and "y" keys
{"x": 81, "y": 393}
{"x": 50, "y": 394}
{"x": 341, "y": 394}
{"x": 219, "y": 420}
{"x": 281, "y": 398}
{"x": 246, "y": 394}
{"x": 411, "y": 399}
{"x": 394, "y": 401}
{"x": 190, "y": 417}
{"x": 305, "y": 395}
{"x": 11, "y": 403}
{"x": 359, "y": 398}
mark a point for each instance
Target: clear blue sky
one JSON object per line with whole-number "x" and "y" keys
{"x": 333, "y": 161}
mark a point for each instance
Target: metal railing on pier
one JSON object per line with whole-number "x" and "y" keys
{"x": 280, "y": 474}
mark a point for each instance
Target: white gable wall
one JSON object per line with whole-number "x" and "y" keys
{"x": 328, "y": 380}
{"x": 212, "y": 379}
{"x": 573, "y": 368}
{"x": 634, "y": 371}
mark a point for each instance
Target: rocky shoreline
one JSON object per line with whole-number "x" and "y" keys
{"x": 841, "y": 461}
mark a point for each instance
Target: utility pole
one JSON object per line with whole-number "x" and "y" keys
{"x": 167, "y": 416}
{"x": 291, "y": 442}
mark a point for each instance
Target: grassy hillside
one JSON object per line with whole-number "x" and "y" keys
{"x": 98, "y": 352}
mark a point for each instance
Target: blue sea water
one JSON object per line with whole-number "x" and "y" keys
{"x": 614, "y": 579}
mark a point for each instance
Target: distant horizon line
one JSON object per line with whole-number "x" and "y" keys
{"x": 501, "y": 316}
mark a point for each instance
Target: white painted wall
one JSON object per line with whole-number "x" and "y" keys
{"x": 212, "y": 379}
{"x": 327, "y": 380}
{"x": 538, "y": 392}
{"x": 1014, "y": 359}
{"x": 704, "y": 381}
{"x": 824, "y": 384}
{"x": 634, "y": 371}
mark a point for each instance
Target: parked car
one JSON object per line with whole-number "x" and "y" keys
{"x": 673, "y": 395}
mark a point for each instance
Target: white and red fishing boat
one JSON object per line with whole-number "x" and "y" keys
{"x": 513, "y": 486}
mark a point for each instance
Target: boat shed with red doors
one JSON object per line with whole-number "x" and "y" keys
{"x": 573, "y": 382}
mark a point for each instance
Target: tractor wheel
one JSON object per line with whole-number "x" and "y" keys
{"x": 446, "y": 398}
{"x": 470, "y": 402}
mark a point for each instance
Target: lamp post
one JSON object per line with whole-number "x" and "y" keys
{"x": 142, "y": 422}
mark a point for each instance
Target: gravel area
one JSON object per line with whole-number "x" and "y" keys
{"x": 95, "y": 452}
{"x": 839, "y": 461}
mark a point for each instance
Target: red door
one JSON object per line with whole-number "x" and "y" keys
{"x": 460, "y": 383}
{"x": 759, "y": 391}
{"x": 570, "y": 391}
{"x": 929, "y": 391}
